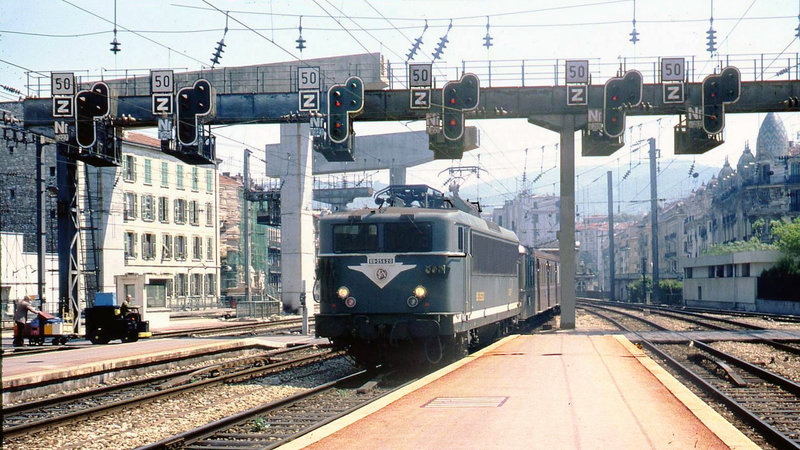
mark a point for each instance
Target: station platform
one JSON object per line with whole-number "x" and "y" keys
{"x": 559, "y": 390}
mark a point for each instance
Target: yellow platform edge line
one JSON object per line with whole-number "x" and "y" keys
{"x": 717, "y": 424}
{"x": 327, "y": 430}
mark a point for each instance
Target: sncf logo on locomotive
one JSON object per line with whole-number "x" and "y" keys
{"x": 381, "y": 269}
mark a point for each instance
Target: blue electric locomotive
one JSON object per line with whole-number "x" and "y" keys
{"x": 422, "y": 276}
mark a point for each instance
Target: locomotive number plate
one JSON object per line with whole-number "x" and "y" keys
{"x": 380, "y": 260}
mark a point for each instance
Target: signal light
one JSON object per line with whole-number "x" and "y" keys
{"x": 717, "y": 91}
{"x": 91, "y": 104}
{"x": 620, "y": 94}
{"x": 344, "y": 101}
{"x": 459, "y": 96}
{"x": 193, "y": 102}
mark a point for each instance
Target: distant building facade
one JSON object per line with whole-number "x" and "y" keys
{"x": 736, "y": 204}
{"x": 535, "y": 218}
{"x": 265, "y": 274}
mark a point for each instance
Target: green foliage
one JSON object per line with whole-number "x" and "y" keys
{"x": 260, "y": 424}
{"x": 758, "y": 228}
{"x": 754, "y": 244}
{"x": 670, "y": 291}
{"x": 670, "y": 286}
{"x": 638, "y": 291}
{"x": 787, "y": 237}
{"x": 786, "y": 267}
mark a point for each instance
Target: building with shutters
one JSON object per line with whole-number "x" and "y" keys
{"x": 167, "y": 220}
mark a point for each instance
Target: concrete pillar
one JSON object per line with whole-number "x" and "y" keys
{"x": 566, "y": 238}
{"x": 297, "y": 222}
{"x": 397, "y": 175}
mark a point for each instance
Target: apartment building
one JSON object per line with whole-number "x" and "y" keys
{"x": 168, "y": 229}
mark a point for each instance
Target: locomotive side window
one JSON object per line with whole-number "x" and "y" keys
{"x": 407, "y": 237}
{"x": 492, "y": 256}
{"x": 460, "y": 239}
{"x": 355, "y": 238}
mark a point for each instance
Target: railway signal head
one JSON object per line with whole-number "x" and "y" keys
{"x": 90, "y": 105}
{"x": 457, "y": 97}
{"x": 619, "y": 95}
{"x": 192, "y": 103}
{"x": 344, "y": 100}
{"x": 718, "y": 90}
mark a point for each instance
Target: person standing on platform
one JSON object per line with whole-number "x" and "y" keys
{"x": 21, "y": 309}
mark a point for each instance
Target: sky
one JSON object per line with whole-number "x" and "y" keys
{"x": 61, "y": 35}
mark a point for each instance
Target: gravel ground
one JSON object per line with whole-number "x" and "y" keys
{"x": 589, "y": 322}
{"x": 166, "y": 417}
{"x": 765, "y": 323}
{"x": 763, "y": 355}
{"x": 668, "y": 322}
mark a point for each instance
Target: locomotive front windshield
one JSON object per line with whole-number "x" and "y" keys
{"x": 382, "y": 238}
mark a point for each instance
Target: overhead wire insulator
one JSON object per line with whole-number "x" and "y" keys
{"x": 217, "y": 55}
{"x": 634, "y": 34}
{"x": 487, "y": 40}
{"x": 417, "y": 42}
{"x": 711, "y": 46}
{"x": 115, "y": 44}
{"x": 301, "y": 43}
{"x": 442, "y": 43}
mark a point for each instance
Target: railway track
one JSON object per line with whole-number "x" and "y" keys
{"x": 222, "y": 330}
{"x": 279, "y": 422}
{"x": 692, "y": 318}
{"x": 768, "y": 402}
{"x": 236, "y": 329}
{"x": 45, "y": 413}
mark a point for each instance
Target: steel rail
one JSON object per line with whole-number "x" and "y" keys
{"x": 104, "y": 409}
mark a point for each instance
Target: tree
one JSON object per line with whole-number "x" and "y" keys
{"x": 787, "y": 237}
{"x": 671, "y": 291}
{"x": 638, "y": 291}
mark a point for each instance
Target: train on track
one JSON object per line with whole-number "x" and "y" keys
{"x": 421, "y": 277}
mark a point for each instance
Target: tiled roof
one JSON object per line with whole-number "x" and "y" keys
{"x": 141, "y": 139}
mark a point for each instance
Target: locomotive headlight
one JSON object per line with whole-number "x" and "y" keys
{"x": 412, "y": 302}
{"x": 343, "y": 292}
{"x": 350, "y": 302}
{"x": 420, "y": 292}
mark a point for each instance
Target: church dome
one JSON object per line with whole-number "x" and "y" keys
{"x": 772, "y": 141}
{"x": 726, "y": 170}
{"x": 747, "y": 163}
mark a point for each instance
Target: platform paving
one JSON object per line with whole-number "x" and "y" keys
{"x": 560, "y": 390}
